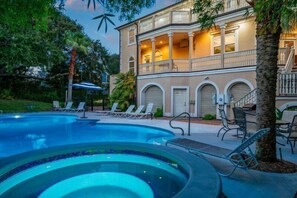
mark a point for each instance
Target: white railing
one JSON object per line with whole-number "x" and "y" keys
{"x": 180, "y": 65}
{"x": 241, "y": 58}
{"x": 162, "y": 20}
{"x": 250, "y": 98}
{"x": 180, "y": 16}
{"x": 230, "y": 5}
{"x": 287, "y": 84}
{"x": 290, "y": 61}
{"x": 162, "y": 66}
{"x": 146, "y": 68}
{"x": 206, "y": 63}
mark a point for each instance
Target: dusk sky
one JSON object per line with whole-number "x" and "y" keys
{"x": 77, "y": 10}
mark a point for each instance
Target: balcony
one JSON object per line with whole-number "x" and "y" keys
{"x": 244, "y": 58}
{"x": 183, "y": 16}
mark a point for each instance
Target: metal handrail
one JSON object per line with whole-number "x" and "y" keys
{"x": 189, "y": 123}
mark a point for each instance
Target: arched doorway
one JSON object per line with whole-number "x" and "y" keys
{"x": 153, "y": 94}
{"x": 207, "y": 103}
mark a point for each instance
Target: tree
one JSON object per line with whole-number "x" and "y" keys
{"x": 124, "y": 90}
{"x": 272, "y": 17}
{"x": 76, "y": 42}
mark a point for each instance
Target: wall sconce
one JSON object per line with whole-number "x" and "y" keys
{"x": 206, "y": 78}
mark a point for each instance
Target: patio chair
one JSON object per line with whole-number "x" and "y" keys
{"x": 68, "y": 107}
{"x": 246, "y": 126}
{"x": 80, "y": 107}
{"x": 124, "y": 114}
{"x": 240, "y": 157}
{"x": 112, "y": 110}
{"x": 228, "y": 125}
{"x": 148, "y": 112}
{"x": 56, "y": 105}
{"x": 290, "y": 134}
{"x": 138, "y": 111}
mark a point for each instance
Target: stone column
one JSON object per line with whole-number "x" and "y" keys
{"x": 170, "y": 35}
{"x": 222, "y": 27}
{"x": 191, "y": 35}
{"x": 153, "y": 54}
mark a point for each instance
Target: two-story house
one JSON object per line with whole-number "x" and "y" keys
{"x": 180, "y": 67}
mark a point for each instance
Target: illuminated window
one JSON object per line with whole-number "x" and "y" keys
{"x": 230, "y": 42}
{"x": 131, "y": 63}
{"x": 131, "y": 38}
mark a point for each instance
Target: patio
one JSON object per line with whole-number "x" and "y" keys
{"x": 242, "y": 183}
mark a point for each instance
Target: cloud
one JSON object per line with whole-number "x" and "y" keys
{"x": 79, "y": 5}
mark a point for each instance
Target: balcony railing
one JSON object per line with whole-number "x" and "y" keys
{"x": 243, "y": 58}
{"x": 287, "y": 84}
{"x": 183, "y": 16}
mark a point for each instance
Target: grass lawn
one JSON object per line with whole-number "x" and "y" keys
{"x": 13, "y": 106}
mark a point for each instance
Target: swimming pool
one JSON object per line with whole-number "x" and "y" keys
{"x": 59, "y": 154}
{"x": 21, "y": 133}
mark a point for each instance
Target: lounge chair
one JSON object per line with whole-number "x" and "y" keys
{"x": 67, "y": 108}
{"x": 138, "y": 111}
{"x": 124, "y": 114}
{"x": 56, "y": 105}
{"x": 240, "y": 157}
{"x": 148, "y": 112}
{"x": 112, "y": 110}
{"x": 228, "y": 125}
{"x": 81, "y": 107}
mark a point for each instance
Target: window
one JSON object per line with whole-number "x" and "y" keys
{"x": 131, "y": 38}
{"x": 131, "y": 63}
{"x": 230, "y": 42}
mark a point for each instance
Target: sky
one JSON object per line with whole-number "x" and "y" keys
{"x": 78, "y": 11}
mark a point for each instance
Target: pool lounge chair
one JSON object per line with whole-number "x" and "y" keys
{"x": 148, "y": 112}
{"x": 240, "y": 157}
{"x": 56, "y": 105}
{"x": 138, "y": 111}
{"x": 67, "y": 108}
{"x": 112, "y": 110}
{"x": 81, "y": 107}
{"x": 124, "y": 114}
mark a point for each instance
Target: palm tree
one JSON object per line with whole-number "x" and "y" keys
{"x": 272, "y": 18}
{"x": 124, "y": 91}
{"x": 76, "y": 41}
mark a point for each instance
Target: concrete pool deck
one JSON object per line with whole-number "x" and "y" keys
{"x": 242, "y": 183}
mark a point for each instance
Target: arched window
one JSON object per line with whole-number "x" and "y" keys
{"x": 131, "y": 63}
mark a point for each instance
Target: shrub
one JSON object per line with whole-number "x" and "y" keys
{"x": 159, "y": 112}
{"x": 278, "y": 114}
{"x": 209, "y": 117}
{"x": 6, "y": 94}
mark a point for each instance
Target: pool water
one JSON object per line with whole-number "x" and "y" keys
{"x": 124, "y": 173}
{"x": 21, "y": 133}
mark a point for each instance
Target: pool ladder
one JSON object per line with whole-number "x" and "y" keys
{"x": 189, "y": 123}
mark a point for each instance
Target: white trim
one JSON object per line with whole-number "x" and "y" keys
{"x": 201, "y": 73}
{"x": 146, "y": 86}
{"x": 187, "y": 97}
{"x": 288, "y": 104}
{"x": 198, "y": 96}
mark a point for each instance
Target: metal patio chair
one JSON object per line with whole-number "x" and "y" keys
{"x": 228, "y": 125}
